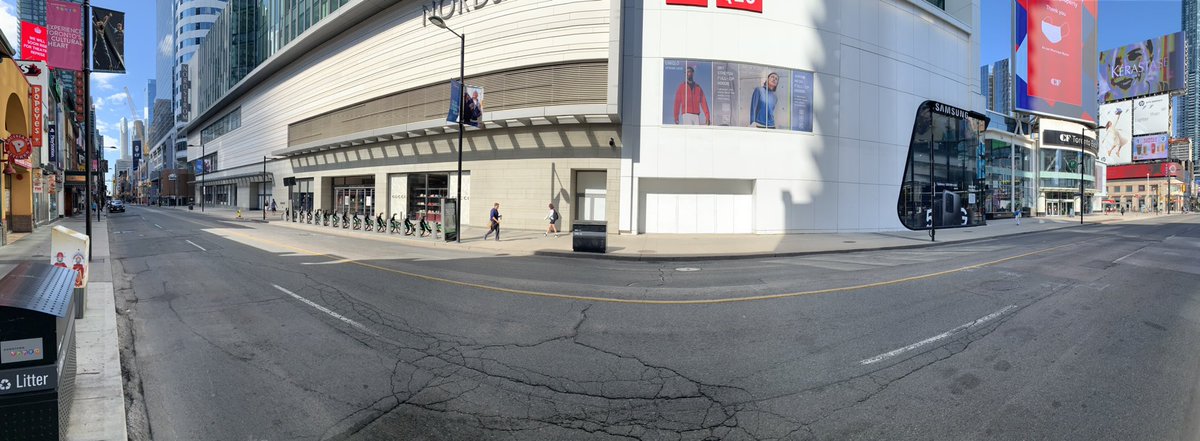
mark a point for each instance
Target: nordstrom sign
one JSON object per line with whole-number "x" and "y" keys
{"x": 447, "y": 9}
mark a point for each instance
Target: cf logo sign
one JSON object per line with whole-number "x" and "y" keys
{"x": 1064, "y": 137}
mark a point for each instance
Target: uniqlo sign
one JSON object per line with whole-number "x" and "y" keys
{"x": 700, "y": 3}
{"x": 745, "y": 5}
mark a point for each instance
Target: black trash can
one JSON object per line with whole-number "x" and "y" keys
{"x": 589, "y": 236}
{"x": 37, "y": 352}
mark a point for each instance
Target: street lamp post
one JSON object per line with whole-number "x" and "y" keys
{"x": 462, "y": 82}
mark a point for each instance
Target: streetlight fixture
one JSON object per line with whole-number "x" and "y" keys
{"x": 462, "y": 74}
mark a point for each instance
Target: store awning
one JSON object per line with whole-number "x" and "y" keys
{"x": 245, "y": 178}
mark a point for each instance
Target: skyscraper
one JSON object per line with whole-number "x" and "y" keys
{"x": 124, "y": 129}
{"x": 1190, "y": 124}
{"x": 995, "y": 82}
{"x": 151, "y": 94}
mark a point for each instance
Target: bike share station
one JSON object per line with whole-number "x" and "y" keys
{"x": 39, "y": 303}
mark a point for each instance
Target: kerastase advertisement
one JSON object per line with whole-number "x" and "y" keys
{"x": 1116, "y": 133}
{"x": 1150, "y": 147}
{"x": 65, "y": 27}
{"x": 721, "y": 93}
{"x": 1152, "y": 115}
{"x": 1055, "y": 68}
{"x": 1144, "y": 68}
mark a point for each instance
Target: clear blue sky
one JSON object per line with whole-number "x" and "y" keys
{"x": 108, "y": 89}
{"x": 1121, "y": 22}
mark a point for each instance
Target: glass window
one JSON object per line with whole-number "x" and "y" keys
{"x": 941, "y": 4}
{"x": 943, "y": 183}
{"x": 1141, "y": 188}
{"x": 1128, "y": 188}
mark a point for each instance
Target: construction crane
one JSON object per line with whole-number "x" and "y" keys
{"x": 129, "y": 100}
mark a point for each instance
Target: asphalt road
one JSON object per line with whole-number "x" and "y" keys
{"x": 251, "y": 331}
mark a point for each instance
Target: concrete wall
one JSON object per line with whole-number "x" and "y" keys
{"x": 874, "y": 63}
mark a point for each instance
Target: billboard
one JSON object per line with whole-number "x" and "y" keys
{"x": 1144, "y": 68}
{"x": 472, "y": 98}
{"x": 1150, "y": 147}
{"x": 33, "y": 42}
{"x": 1152, "y": 115}
{"x": 137, "y": 153}
{"x": 1116, "y": 133}
{"x": 722, "y": 93}
{"x": 1055, "y": 69}
{"x": 108, "y": 33}
{"x": 65, "y": 29}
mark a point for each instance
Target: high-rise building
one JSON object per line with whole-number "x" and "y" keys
{"x": 188, "y": 23}
{"x": 995, "y": 82}
{"x": 124, "y": 129}
{"x": 151, "y": 94}
{"x": 1190, "y": 115}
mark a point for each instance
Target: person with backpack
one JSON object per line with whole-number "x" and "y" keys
{"x": 553, "y": 218}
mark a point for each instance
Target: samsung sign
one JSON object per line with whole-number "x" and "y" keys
{"x": 447, "y": 9}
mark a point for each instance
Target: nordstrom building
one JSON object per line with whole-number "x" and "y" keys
{"x": 657, "y": 116}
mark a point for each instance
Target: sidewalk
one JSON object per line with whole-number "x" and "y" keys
{"x": 694, "y": 246}
{"x": 98, "y": 412}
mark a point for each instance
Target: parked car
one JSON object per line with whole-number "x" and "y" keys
{"x": 116, "y": 206}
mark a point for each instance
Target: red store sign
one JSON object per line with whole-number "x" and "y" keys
{"x": 36, "y": 132}
{"x": 745, "y": 5}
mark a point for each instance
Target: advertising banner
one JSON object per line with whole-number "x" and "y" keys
{"x": 1143, "y": 68}
{"x": 137, "y": 154}
{"x": 108, "y": 34}
{"x": 1150, "y": 147}
{"x": 745, "y": 5}
{"x": 1116, "y": 133}
{"x": 1152, "y": 115}
{"x": 1055, "y": 70}
{"x": 33, "y": 42}
{"x": 472, "y": 97}
{"x": 69, "y": 249}
{"x": 52, "y": 135}
{"x": 742, "y": 95}
{"x": 65, "y": 30}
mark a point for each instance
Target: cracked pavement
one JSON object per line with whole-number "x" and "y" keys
{"x": 222, "y": 354}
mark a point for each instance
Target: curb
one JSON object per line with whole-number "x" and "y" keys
{"x": 661, "y": 257}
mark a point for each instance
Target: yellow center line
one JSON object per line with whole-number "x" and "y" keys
{"x": 650, "y": 301}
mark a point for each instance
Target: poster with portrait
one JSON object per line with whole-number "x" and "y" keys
{"x": 764, "y": 93}
{"x": 687, "y": 86}
{"x": 1143, "y": 68}
{"x": 1150, "y": 147}
{"x": 721, "y": 93}
{"x": 1152, "y": 115}
{"x": 1116, "y": 133}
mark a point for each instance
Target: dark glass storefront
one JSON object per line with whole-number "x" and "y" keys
{"x": 944, "y": 177}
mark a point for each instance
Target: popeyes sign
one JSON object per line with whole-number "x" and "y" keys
{"x": 745, "y": 5}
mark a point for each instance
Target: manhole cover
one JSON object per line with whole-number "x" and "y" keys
{"x": 687, "y": 270}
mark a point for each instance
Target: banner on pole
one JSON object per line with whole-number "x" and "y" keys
{"x": 108, "y": 32}
{"x": 471, "y": 97}
{"x": 33, "y": 42}
{"x": 65, "y": 30}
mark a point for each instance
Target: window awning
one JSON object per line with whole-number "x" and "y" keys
{"x": 245, "y": 178}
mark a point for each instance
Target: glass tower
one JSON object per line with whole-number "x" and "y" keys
{"x": 1191, "y": 100}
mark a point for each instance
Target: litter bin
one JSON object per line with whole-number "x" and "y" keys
{"x": 589, "y": 236}
{"x": 37, "y": 352}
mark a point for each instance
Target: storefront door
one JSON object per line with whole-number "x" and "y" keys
{"x": 358, "y": 201}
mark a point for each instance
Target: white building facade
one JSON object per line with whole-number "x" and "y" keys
{"x": 579, "y": 111}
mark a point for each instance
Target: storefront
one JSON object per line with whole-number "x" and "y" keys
{"x": 1010, "y": 174}
{"x": 944, "y": 178}
{"x": 1066, "y": 154}
{"x": 354, "y": 195}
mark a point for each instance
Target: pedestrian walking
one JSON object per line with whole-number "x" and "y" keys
{"x": 494, "y": 222}
{"x": 1018, "y": 216}
{"x": 553, "y": 218}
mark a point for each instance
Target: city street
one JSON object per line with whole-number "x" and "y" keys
{"x": 246, "y": 330}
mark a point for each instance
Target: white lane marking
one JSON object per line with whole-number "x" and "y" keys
{"x": 981, "y": 320}
{"x": 1127, "y": 255}
{"x": 159, "y": 226}
{"x": 326, "y": 310}
{"x": 331, "y": 262}
{"x": 194, "y": 244}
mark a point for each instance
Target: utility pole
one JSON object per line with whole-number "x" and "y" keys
{"x": 87, "y": 124}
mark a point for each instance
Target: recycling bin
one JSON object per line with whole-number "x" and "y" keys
{"x": 589, "y": 236}
{"x": 37, "y": 352}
